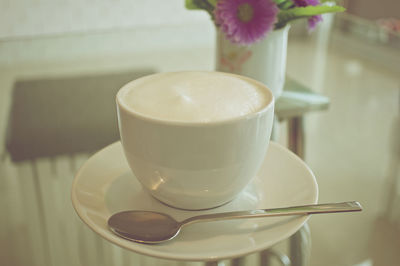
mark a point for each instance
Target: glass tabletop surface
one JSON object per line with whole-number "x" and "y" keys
{"x": 57, "y": 108}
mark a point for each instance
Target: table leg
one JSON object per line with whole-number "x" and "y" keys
{"x": 267, "y": 255}
{"x": 238, "y": 261}
{"x": 296, "y": 135}
{"x": 300, "y": 242}
{"x": 300, "y": 246}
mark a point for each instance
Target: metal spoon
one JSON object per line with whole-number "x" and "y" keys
{"x": 154, "y": 227}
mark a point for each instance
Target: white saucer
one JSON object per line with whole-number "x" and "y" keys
{"x": 105, "y": 185}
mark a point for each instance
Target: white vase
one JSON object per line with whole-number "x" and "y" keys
{"x": 264, "y": 61}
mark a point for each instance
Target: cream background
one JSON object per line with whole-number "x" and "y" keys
{"x": 42, "y": 17}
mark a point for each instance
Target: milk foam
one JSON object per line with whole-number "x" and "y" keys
{"x": 194, "y": 96}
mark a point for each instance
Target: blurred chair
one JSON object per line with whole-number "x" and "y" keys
{"x": 54, "y": 125}
{"x": 56, "y": 116}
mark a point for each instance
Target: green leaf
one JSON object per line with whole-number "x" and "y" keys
{"x": 200, "y": 4}
{"x": 213, "y": 2}
{"x": 189, "y": 4}
{"x": 284, "y": 4}
{"x": 278, "y": 2}
{"x": 285, "y": 16}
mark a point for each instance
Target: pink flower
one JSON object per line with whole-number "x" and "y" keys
{"x": 314, "y": 20}
{"x": 245, "y": 21}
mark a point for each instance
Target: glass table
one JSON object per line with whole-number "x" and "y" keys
{"x": 350, "y": 65}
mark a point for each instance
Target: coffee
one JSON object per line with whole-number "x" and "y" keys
{"x": 195, "y": 96}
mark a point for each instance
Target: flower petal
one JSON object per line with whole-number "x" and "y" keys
{"x": 262, "y": 20}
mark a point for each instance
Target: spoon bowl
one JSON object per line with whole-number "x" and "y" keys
{"x": 144, "y": 226}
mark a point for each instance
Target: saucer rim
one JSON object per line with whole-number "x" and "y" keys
{"x": 145, "y": 250}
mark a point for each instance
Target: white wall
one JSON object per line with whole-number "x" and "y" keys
{"x": 42, "y": 17}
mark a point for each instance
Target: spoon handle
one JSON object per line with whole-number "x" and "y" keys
{"x": 350, "y": 206}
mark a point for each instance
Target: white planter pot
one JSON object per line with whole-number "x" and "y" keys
{"x": 264, "y": 61}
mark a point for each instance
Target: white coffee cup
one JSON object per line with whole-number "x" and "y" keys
{"x": 194, "y": 164}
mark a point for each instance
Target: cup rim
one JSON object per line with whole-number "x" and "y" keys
{"x": 147, "y": 118}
